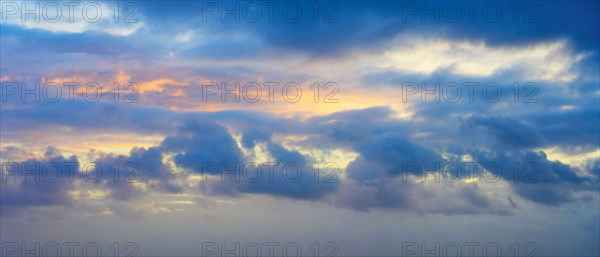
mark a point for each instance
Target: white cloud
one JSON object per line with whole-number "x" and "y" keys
{"x": 116, "y": 19}
{"x": 542, "y": 61}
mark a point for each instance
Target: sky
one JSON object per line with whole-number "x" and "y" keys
{"x": 299, "y": 128}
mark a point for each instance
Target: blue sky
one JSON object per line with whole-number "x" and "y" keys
{"x": 375, "y": 126}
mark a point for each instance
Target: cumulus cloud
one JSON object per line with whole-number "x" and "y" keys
{"x": 371, "y": 54}
{"x": 538, "y": 179}
{"x": 506, "y": 132}
{"x": 38, "y": 182}
{"x": 198, "y": 143}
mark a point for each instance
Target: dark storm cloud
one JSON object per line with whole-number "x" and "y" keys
{"x": 254, "y": 135}
{"x": 536, "y": 178}
{"x": 38, "y": 182}
{"x": 377, "y": 178}
{"x": 383, "y": 155}
{"x": 391, "y": 152}
{"x": 506, "y": 132}
{"x": 347, "y": 128}
{"x": 543, "y": 113}
{"x": 388, "y": 147}
{"x": 141, "y": 165}
{"x": 578, "y": 126}
{"x": 208, "y": 148}
{"x": 296, "y": 178}
{"x": 198, "y": 143}
{"x": 360, "y": 24}
{"x": 373, "y": 180}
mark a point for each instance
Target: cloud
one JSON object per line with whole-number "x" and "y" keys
{"x": 536, "y": 178}
{"x": 38, "y": 182}
{"x": 390, "y": 153}
{"x": 67, "y": 17}
{"x": 40, "y": 41}
{"x": 506, "y": 132}
{"x": 359, "y": 25}
{"x": 199, "y": 143}
{"x": 206, "y": 145}
{"x": 141, "y": 166}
